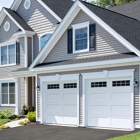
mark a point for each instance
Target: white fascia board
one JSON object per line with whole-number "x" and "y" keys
{"x": 57, "y": 34}
{"x": 2, "y": 16}
{"x": 20, "y": 34}
{"x": 109, "y": 29}
{"x": 49, "y": 10}
{"x": 90, "y": 65}
{"x": 16, "y": 4}
{"x": 14, "y": 20}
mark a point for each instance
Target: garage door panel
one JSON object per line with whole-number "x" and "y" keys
{"x": 72, "y": 119}
{"x": 70, "y": 109}
{"x": 53, "y": 118}
{"x": 69, "y": 97}
{"x": 53, "y": 107}
{"x": 98, "y": 109}
{"x": 121, "y": 109}
{"x": 100, "y": 96}
{"x": 53, "y": 97}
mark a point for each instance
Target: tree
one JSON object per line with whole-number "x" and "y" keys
{"x": 109, "y": 3}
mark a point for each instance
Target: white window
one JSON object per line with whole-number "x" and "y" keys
{"x": 44, "y": 39}
{"x": 8, "y": 55}
{"x": 81, "y": 37}
{"x": 8, "y": 93}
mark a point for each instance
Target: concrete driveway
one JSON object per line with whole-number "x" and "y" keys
{"x": 46, "y": 132}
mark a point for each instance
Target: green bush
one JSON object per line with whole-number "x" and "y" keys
{"x": 23, "y": 122}
{"x": 31, "y": 116}
{"x": 3, "y": 121}
{"x": 4, "y": 127}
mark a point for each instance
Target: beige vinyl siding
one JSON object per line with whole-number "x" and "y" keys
{"x": 8, "y": 36}
{"x": 105, "y": 43}
{"x": 136, "y": 91}
{"x": 39, "y": 19}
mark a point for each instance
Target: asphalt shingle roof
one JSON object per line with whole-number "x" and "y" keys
{"x": 21, "y": 22}
{"x": 127, "y": 27}
{"x": 131, "y": 9}
{"x": 88, "y": 59}
{"x": 60, "y": 7}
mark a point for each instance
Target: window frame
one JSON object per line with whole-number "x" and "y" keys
{"x": 5, "y": 82}
{"x": 80, "y": 26}
{"x": 7, "y": 45}
{"x": 42, "y": 36}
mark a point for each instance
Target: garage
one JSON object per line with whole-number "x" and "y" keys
{"x": 60, "y": 101}
{"x": 109, "y": 100}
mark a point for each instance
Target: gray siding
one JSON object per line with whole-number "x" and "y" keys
{"x": 106, "y": 44}
{"x": 5, "y": 71}
{"x": 22, "y": 89}
{"x": 136, "y": 91}
{"x": 39, "y": 19}
{"x": 7, "y": 36}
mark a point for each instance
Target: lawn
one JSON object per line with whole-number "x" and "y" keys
{"x": 135, "y": 136}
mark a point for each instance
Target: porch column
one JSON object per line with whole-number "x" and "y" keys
{"x": 26, "y": 90}
{"x": 17, "y": 96}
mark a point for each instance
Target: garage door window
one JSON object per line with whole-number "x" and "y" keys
{"x": 70, "y": 85}
{"x": 98, "y": 84}
{"x": 53, "y": 86}
{"x": 121, "y": 83}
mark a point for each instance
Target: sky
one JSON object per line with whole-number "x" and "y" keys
{"x": 5, "y": 3}
{"x": 8, "y": 3}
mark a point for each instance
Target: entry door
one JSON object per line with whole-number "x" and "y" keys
{"x": 61, "y": 103}
{"x": 109, "y": 103}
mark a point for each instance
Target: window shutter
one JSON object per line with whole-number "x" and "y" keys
{"x": 70, "y": 41}
{"x": 17, "y": 53}
{"x": 92, "y": 36}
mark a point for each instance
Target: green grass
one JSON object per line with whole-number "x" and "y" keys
{"x": 135, "y": 136}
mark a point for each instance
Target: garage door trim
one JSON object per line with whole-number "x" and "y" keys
{"x": 57, "y": 78}
{"x": 109, "y": 74}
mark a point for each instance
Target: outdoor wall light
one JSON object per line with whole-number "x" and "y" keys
{"x": 38, "y": 88}
{"x": 136, "y": 82}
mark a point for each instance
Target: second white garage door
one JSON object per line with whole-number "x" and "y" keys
{"x": 61, "y": 103}
{"x": 109, "y": 103}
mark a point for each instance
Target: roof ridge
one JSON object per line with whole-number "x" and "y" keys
{"x": 109, "y": 10}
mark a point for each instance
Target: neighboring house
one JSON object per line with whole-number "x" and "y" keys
{"x": 76, "y": 62}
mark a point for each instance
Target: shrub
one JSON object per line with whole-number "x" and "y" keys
{"x": 31, "y": 116}
{"x": 3, "y": 121}
{"x": 25, "y": 122}
{"x": 4, "y": 127}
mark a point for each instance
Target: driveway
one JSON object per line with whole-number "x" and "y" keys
{"x": 46, "y": 132}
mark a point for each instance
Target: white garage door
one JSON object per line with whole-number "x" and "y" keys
{"x": 61, "y": 103}
{"x": 109, "y": 103}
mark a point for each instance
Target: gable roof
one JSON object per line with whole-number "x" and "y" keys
{"x": 60, "y": 7}
{"x": 120, "y": 23}
{"x": 18, "y": 19}
{"x": 131, "y": 9}
{"x": 119, "y": 26}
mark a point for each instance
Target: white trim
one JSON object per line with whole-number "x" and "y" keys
{"x": 49, "y": 10}
{"x": 79, "y": 26}
{"x": 27, "y": 7}
{"x": 26, "y": 90}
{"x": 36, "y": 94}
{"x": 111, "y": 74}
{"x": 45, "y": 79}
{"x": 139, "y": 95}
{"x": 33, "y": 95}
{"x": 21, "y": 34}
{"x": 56, "y": 35}
{"x": 26, "y": 50}
{"x": 42, "y": 36}
{"x": 15, "y": 5}
{"x": 137, "y": 125}
{"x": 7, "y": 23}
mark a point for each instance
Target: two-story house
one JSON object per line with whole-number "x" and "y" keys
{"x": 77, "y": 63}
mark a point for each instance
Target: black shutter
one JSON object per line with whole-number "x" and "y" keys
{"x": 17, "y": 53}
{"x": 92, "y": 36}
{"x": 70, "y": 41}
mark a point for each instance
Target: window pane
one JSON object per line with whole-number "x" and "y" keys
{"x": 11, "y": 49}
{"x": 12, "y": 98}
{"x": 81, "y": 39}
{"x": 11, "y": 87}
{"x": 4, "y": 55}
{"x": 5, "y": 88}
{"x": 4, "y": 98}
{"x": 11, "y": 59}
{"x": 44, "y": 39}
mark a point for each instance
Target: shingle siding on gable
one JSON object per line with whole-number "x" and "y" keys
{"x": 106, "y": 44}
{"x": 39, "y": 19}
{"x": 7, "y": 36}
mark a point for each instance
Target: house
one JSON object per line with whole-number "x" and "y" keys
{"x": 76, "y": 62}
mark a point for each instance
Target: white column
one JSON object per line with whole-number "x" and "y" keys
{"x": 26, "y": 90}
{"x": 17, "y": 96}
{"x": 33, "y": 92}
{"x": 26, "y": 50}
